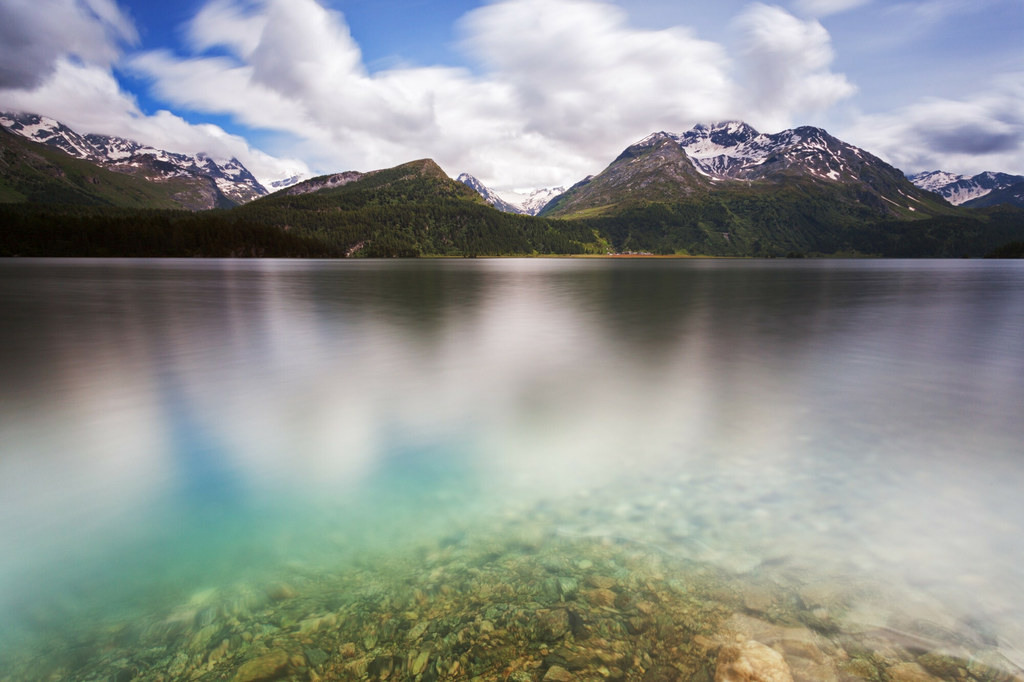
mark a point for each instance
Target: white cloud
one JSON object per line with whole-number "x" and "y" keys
{"x": 563, "y": 86}
{"x": 223, "y": 23}
{"x": 560, "y": 88}
{"x": 978, "y": 133}
{"x": 786, "y": 65}
{"x": 933, "y": 11}
{"x": 35, "y": 35}
{"x": 578, "y": 69}
{"x": 821, "y": 8}
{"x": 89, "y": 100}
{"x": 56, "y": 59}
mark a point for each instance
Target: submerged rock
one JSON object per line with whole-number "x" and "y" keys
{"x": 557, "y": 673}
{"x": 751, "y": 662}
{"x": 268, "y": 667}
{"x": 281, "y": 591}
{"x": 553, "y": 625}
{"x": 419, "y": 663}
{"x": 601, "y": 596}
{"x": 910, "y": 672}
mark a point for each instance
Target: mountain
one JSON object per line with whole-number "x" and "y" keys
{"x": 655, "y": 169}
{"x": 960, "y": 190}
{"x": 490, "y": 196}
{"x": 718, "y": 190}
{"x": 38, "y": 174}
{"x": 411, "y": 209}
{"x": 201, "y": 181}
{"x": 731, "y": 157}
{"x": 524, "y": 203}
{"x": 734, "y": 151}
{"x": 726, "y": 189}
{"x": 1012, "y": 194}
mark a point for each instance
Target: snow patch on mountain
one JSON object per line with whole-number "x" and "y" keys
{"x": 735, "y": 150}
{"x": 323, "y": 182}
{"x": 286, "y": 182}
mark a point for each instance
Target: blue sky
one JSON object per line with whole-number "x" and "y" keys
{"x": 520, "y": 93}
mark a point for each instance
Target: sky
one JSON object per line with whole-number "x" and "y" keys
{"x": 519, "y": 93}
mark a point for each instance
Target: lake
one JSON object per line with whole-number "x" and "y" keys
{"x": 514, "y": 469}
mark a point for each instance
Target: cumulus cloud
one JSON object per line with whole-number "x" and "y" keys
{"x": 88, "y": 99}
{"x": 978, "y": 133}
{"x": 579, "y": 69}
{"x": 786, "y": 65}
{"x": 34, "y": 36}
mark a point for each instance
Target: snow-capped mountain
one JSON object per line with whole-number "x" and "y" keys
{"x": 730, "y": 156}
{"x": 959, "y": 189}
{"x": 232, "y": 179}
{"x": 526, "y": 203}
{"x": 934, "y": 181}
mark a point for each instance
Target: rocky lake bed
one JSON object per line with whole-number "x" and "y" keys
{"x": 526, "y": 599}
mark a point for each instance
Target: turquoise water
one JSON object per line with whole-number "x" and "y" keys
{"x": 199, "y": 457}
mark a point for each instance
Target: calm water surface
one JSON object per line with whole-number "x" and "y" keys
{"x": 830, "y": 440}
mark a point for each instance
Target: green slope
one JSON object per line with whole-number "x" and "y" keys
{"x": 769, "y": 225}
{"x": 655, "y": 170}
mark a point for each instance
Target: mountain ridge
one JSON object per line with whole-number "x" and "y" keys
{"x": 232, "y": 183}
{"x": 38, "y": 174}
{"x": 977, "y": 190}
{"x": 722, "y": 189}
